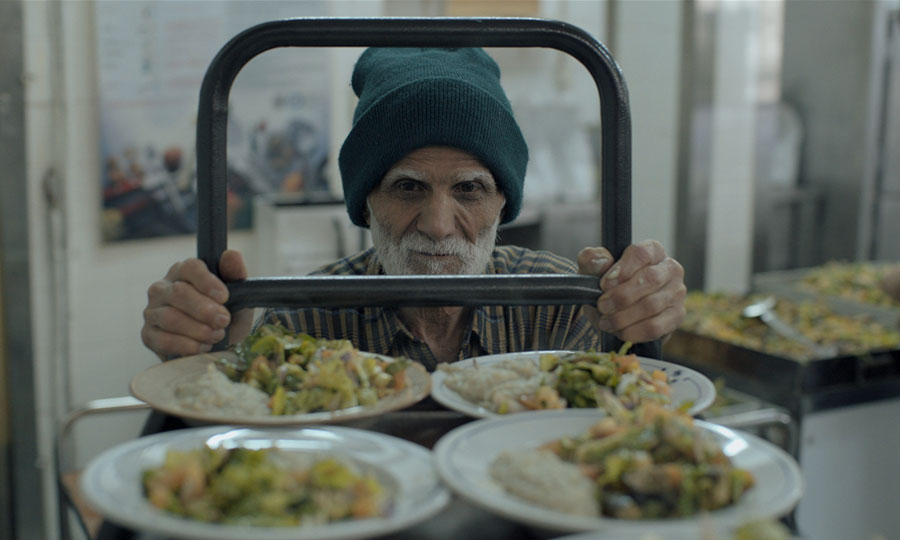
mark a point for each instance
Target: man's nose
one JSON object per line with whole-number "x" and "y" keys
{"x": 438, "y": 217}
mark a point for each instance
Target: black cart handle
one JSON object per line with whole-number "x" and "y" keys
{"x": 442, "y": 290}
{"x": 412, "y": 32}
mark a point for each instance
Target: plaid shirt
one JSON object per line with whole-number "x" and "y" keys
{"x": 491, "y": 329}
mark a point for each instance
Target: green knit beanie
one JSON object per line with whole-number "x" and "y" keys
{"x": 410, "y": 98}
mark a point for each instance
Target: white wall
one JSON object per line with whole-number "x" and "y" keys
{"x": 648, "y": 49}
{"x": 729, "y": 241}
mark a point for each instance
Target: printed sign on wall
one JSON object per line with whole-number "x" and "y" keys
{"x": 151, "y": 59}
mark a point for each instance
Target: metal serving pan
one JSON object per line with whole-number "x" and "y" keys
{"x": 789, "y": 284}
{"x": 801, "y": 387}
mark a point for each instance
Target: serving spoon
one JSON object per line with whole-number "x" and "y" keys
{"x": 765, "y": 311}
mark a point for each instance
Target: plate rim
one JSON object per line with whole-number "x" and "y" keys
{"x": 294, "y": 420}
{"x": 551, "y": 520}
{"x": 450, "y": 399}
{"x": 164, "y": 523}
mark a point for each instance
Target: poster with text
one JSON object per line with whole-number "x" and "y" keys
{"x": 151, "y": 59}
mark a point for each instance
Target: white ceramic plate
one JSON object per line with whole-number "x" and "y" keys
{"x": 156, "y": 386}
{"x": 111, "y": 483}
{"x": 685, "y": 383}
{"x": 464, "y": 455}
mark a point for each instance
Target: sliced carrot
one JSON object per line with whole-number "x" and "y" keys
{"x": 400, "y": 380}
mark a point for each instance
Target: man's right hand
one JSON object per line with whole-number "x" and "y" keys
{"x": 186, "y": 312}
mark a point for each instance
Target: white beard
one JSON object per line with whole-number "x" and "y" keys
{"x": 401, "y": 256}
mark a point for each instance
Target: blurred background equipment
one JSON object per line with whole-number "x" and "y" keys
{"x": 880, "y": 203}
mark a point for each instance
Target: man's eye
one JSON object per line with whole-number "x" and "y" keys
{"x": 407, "y": 185}
{"x": 469, "y": 187}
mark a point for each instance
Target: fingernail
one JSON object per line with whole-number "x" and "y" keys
{"x": 218, "y": 335}
{"x": 205, "y": 347}
{"x": 218, "y": 295}
{"x": 610, "y": 279}
{"x": 222, "y": 320}
{"x": 613, "y": 273}
{"x": 600, "y": 263}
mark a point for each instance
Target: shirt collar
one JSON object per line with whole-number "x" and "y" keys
{"x": 485, "y": 324}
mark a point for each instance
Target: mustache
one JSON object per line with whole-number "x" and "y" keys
{"x": 421, "y": 243}
{"x": 397, "y": 253}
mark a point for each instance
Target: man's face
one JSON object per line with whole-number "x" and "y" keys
{"x": 436, "y": 211}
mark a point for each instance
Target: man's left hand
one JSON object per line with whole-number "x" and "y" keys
{"x": 643, "y": 292}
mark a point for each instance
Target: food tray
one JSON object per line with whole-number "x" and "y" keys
{"x": 799, "y": 386}
{"x": 789, "y": 285}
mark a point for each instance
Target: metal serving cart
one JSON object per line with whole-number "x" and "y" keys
{"x": 354, "y": 291}
{"x": 342, "y": 291}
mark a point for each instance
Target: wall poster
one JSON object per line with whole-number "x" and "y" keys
{"x": 151, "y": 59}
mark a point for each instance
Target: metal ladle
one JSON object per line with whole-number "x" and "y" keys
{"x": 765, "y": 311}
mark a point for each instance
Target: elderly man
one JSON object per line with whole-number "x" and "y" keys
{"x": 434, "y": 163}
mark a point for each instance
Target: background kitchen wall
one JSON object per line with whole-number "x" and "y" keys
{"x": 698, "y": 72}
